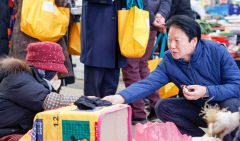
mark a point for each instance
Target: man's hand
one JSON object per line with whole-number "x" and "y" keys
{"x": 163, "y": 29}
{"x": 156, "y": 24}
{"x": 159, "y": 21}
{"x": 115, "y": 99}
{"x": 225, "y": 123}
{"x": 194, "y": 92}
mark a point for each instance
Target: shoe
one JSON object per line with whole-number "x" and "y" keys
{"x": 138, "y": 120}
{"x": 152, "y": 115}
{"x": 147, "y": 104}
{"x": 146, "y": 101}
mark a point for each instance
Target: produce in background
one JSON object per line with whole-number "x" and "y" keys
{"x": 234, "y": 50}
{"x": 206, "y": 27}
{"x": 226, "y": 34}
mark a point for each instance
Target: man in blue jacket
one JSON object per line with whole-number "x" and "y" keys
{"x": 201, "y": 69}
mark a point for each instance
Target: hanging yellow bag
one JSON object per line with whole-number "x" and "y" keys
{"x": 43, "y": 20}
{"x": 74, "y": 45}
{"x": 133, "y": 32}
{"x": 169, "y": 89}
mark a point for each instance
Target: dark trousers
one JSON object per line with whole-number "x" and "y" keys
{"x": 136, "y": 70}
{"x": 185, "y": 114}
{"x": 100, "y": 82}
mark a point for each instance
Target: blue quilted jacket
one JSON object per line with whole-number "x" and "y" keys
{"x": 211, "y": 65}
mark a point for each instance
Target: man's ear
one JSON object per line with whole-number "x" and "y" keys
{"x": 194, "y": 41}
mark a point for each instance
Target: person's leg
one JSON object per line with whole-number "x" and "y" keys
{"x": 150, "y": 45}
{"x": 131, "y": 75}
{"x": 237, "y": 136}
{"x": 154, "y": 97}
{"x": 232, "y": 105}
{"x": 144, "y": 72}
{"x": 182, "y": 112}
{"x": 93, "y": 77}
{"x": 110, "y": 82}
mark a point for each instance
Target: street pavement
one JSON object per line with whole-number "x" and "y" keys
{"x": 77, "y": 87}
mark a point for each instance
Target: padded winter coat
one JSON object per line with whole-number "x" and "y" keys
{"x": 99, "y": 40}
{"x": 211, "y": 65}
{"x": 22, "y": 94}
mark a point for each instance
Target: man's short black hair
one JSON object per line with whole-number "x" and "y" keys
{"x": 187, "y": 24}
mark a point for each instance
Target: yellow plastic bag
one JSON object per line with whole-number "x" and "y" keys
{"x": 43, "y": 20}
{"x": 74, "y": 46}
{"x": 133, "y": 32}
{"x": 152, "y": 64}
{"x": 169, "y": 89}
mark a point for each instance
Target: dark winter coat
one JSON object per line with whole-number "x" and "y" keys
{"x": 4, "y": 21}
{"x": 20, "y": 41}
{"x": 181, "y": 7}
{"x": 99, "y": 40}
{"x": 22, "y": 93}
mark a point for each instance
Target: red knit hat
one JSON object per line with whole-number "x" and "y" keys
{"x": 46, "y": 56}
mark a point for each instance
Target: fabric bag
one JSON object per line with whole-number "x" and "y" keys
{"x": 43, "y": 20}
{"x": 159, "y": 132}
{"x": 169, "y": 89}
{"x": 74, "y": 45}
{"x": 133, "y": 31}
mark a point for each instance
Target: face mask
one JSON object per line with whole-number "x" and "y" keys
{"x": 55, "y": 84}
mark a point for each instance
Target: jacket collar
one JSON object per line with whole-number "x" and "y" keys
{"x": 38, "y": 77}
{"x": 41, "y": 80}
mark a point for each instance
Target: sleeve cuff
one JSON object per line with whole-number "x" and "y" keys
{"x": 125, "y": 101}
{"x": 207, "y": 92}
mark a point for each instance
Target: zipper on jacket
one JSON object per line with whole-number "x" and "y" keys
{"x": 192, "y": 74}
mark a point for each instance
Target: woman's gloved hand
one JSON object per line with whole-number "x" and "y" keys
{"x": 225, "y": 123}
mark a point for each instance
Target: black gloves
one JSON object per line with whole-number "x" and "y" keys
{"x": 86, "y": 103}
